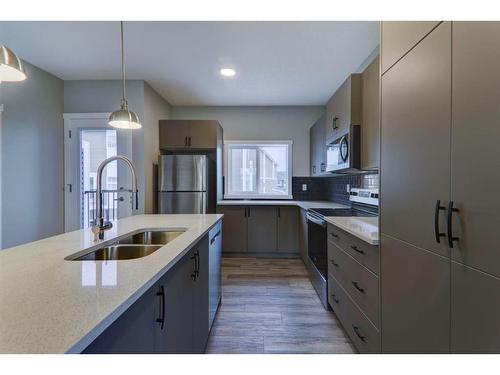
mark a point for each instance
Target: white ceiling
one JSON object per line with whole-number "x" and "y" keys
{"x": 277, "y": 63}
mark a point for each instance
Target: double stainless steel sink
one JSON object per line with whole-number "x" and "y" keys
{"x": 135, "y": 246}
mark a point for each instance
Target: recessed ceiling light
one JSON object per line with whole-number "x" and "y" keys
{"x": 227, "y": 72}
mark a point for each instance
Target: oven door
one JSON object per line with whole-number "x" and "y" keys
{"x": 317, "y": 247}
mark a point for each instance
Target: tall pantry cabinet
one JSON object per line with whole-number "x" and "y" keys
{"x": 440, "y": 128}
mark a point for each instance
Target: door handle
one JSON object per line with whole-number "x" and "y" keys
{"x": 356, "y": 285}
{"x": 70, "y": 188}
{"x": 356, "y": 249}
{"x": 334, "y": 123}
{"x": 121, "y": 199}
{"x": 437, "y": 233}
{"x": 356, "y": 331}
{"x": 194, "y": 275}
{"x": 161, "y": 319}
{"x": 197, "y": 255}
{"x": 451, "y": 209}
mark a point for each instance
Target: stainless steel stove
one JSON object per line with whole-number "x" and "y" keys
{"x": 364, "y": 202}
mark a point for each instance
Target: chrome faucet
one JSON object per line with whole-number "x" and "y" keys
{"x": 100, "y": 226}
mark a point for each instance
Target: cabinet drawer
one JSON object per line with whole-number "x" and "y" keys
{"x": 362, "y": 332}
{"x": 363, "y": 252}
{"x": 361, "y": 284}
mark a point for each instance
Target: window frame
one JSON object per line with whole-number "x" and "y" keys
{"x": 250, "y": 196}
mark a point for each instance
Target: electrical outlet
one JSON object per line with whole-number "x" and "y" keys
{"x": 348, "y": 188}
{"x": 304, "y": 187}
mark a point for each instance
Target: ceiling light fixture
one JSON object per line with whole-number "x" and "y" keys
{"x": 123, "y": 118}
{"x": 11, "y": 67}
{"x": 227, "y": 72}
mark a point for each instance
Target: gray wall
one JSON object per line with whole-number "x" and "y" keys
{"x": 32, "y": 158}
{"x": 100, "y": 96}
{"x": 262, "y": 123}
{"x": 155, "y": 109}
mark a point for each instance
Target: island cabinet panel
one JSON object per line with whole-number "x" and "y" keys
{"x": 177, "y": 332}
{"x": 170, "y": 317}
{"x": 234, "y": 229}
{"x": 134, "y": 331}
{"x": 262, "y": 229}
{"x": 288, "y": 233}
{"x": 200, "y": 308}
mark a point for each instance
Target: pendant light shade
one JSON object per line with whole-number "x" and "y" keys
{"x": 124, "y": 118}
{"x": 11, "y": 67}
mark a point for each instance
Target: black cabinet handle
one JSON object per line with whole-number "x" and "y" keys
{"x": 197, "y": 271}
{"x": 356, "y": 285}
{"x": 332, "y": 261}
{"x": 279, "y": 212}
{"x": 451, "y": 209}
{"x": 189, "y": 141}
{"x": 194, "y": 275}
{"x": 335, "y": 299}
{"x": 214, "y": 237}
{"x": 356, "y": 249}
{"x": 437, "y": 233}
{"x": 334, "y": 235}
{"x": 185, "y": 141}
{"x": 248, "y": 211}
{"x": 356, "y": 331}
{"x": 161, "y": 319}
{"x": 334, "y": 123}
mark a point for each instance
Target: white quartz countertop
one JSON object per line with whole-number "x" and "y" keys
{"x": 365, "y": 228}
{"x": 302, "y": 204}
{"x": 52, "y": 305}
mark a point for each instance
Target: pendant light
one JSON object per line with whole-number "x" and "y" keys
{"x": 123, "y": 118}
{"x": 11, "y": 67}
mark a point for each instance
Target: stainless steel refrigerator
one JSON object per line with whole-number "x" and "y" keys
{"x": 185, "y": 184}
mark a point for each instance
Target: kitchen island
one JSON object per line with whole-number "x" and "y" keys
{"x": 52, "y": 305}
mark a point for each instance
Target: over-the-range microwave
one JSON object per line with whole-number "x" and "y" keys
{"x": 343, "y": 152}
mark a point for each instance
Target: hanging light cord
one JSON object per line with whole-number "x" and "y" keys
{"x": 124, "y": 101}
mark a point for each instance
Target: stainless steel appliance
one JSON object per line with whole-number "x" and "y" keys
{"x": 317, "y": 235}
{"x": 343, "y": 153}
{"x": 185, "y": 184}
{"x": 214, "y": 275}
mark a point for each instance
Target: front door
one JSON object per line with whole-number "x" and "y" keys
{"x": 88, "y": 141}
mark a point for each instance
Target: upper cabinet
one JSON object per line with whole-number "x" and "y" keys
{"x": 344, "y": 107}
{"x": 317, "y": 147}
{"x": 370, "y": 116}
{"x": 398, "y": 37}
{"x": 189, "y": 134}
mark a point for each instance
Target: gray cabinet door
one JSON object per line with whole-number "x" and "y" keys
{"x": 134, "y": 331}
{"x": 475, "y": 144}
{"x": 174, "y": 134}
{"x": 475, "y": 311}
{"x": 344, "y": 107}
{"x": 214, "y": 271}
{"x": 177, "y": 333}
{"x": 415, "y": 136}
{"x": 234, "y": 229}
{"x": 203, "y": 134}
{"x": 303, "y": 245}
{"x": 415, "y": 291}
{"x": 288, "y": 230}
{"x": 200, "y": 298}
{"x": 398, "y": 37}
{"x": 262, "y": 229}
{"x": 317, "y": 147}
{"x": 370, "y": 116}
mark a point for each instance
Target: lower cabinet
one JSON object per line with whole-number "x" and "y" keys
{"x": 415, "y": 291}
{"x": 260, "y": 229}
{"x": 475, "y": 311}
{"x": 170, "y": 317}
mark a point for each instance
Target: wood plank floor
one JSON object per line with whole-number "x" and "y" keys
{"x": 270, "y": 306}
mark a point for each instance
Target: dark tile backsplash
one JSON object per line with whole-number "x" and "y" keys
{"x": 332, "y": 189}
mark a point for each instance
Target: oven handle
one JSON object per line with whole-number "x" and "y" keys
{"x": 315, "y": 220}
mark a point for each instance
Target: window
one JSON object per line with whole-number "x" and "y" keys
{"x": 258, "y": 169}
